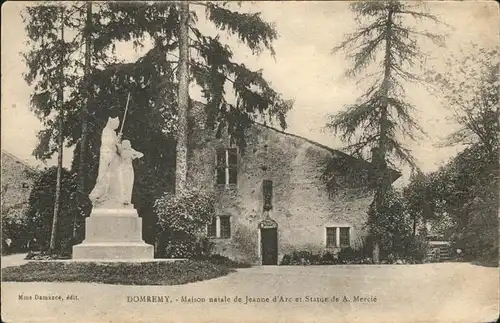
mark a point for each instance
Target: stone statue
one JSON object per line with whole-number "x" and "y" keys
{"x": 115, "y": 179}
{"x": 107, "y": 154}
{"x": 126, "y": 171}
{"x": 114, "y": 229}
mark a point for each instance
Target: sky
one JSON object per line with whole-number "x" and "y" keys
{"x": 303, "y": 69}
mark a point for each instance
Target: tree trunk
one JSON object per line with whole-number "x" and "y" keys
{"x": 383, "y": 182}
{"x": 414, "y": 225}
{"x": 183, "y": 100}
{"x": 83, "y": 115}
{"x": 60, "y": 139}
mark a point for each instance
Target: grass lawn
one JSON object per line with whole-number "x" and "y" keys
{"x": 145, "y": 273}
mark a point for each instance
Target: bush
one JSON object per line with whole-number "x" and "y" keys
{"x": 301, "y": 258}
{"x": 182, "y": 221}
{"x": 40, "y": 212}
{"x": 43, "y": 255}
{"x": 225, "y": 261}
{"x": 357, "y": 255}
{"x": 16, "y": 236}
{"x": 415, "y": 249}
{"x": 349, "y": 255}
{"x": 394, "y": 227}
{"x": 328, "y": 258}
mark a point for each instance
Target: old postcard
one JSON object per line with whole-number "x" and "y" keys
{"x": 278, "y": 161}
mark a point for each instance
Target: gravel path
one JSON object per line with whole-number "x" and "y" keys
{"x": 449, "y": 292}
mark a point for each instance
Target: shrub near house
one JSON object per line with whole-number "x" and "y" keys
{"x": 182, "y": 220}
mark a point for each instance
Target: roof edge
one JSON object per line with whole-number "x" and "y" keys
{"x": 394, "y": 173}
{"x": 25, "y": 163}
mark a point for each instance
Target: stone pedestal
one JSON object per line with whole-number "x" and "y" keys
{"x": 113, "y": 234}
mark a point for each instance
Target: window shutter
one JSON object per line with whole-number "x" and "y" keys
{"x": 232, "y": 164}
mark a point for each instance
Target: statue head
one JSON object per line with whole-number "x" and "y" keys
{"x": 126, "y": 144}
{"x": 113, "y": 123}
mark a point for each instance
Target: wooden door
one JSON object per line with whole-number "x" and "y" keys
{"x": 269, "y": 246}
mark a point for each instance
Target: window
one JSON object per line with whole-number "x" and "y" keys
{"x": 344, "y": 237}
{"x": 220, "y": 227}
{"x": 226, "y": 166}
{"x": 267, "y": 189}
{"x": 212, "y": 228}
{"x": 225, "y": 227}
{"x": 338, "y": 237}
{"x": 331, "y": 237}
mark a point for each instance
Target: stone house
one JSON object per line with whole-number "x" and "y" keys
{"x": 17, "y": 180}
{"x": 281, "y": 193}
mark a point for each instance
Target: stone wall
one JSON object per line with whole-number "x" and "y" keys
{"x": 302, "y": 205}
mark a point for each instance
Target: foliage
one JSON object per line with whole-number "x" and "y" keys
{"x": 470, "y": 89}
{"x": 182, "y": 221}
{"x": 419, "y": 198}
{"x": 42, "y": 25}
{"x": 15, "y": 233}
{"x": 349, "y": 255}
{"x": 122, "y": 273}
{"x": 225, "y": 261}
{"x": 14, "y": 226}
{"x": 301, "y": 258}
{"x": 468, "y": 191}
{"x": 41, "y": 209}
{"x": 394, "y": 226}
{"x": 212, "y": 67}
{"x": 44, "y": 255}
{"x": 359, "y": 254}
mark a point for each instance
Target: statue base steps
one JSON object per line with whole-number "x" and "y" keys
{"x": 113, "y": 234}
{"x": 113, "y": 251}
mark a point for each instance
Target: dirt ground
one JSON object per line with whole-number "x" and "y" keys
{"x": 446, "y": 292}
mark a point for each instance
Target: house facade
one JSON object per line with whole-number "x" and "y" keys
{"x": 17, "y": 182}
{"x": 282, "y": 193}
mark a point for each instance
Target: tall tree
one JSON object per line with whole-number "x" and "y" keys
{"x": 183, "y": 98}
{"x": 374, "y": 124}
{"x": 44, "y": 75}
{"x": 40, "y": 23}
{"x": 45, "y": 28}
{"x": 60, "y": 139}
{"x": 212, "y": 67}
{"x": 87, "y": 31}
{"x": 206, "y": 61}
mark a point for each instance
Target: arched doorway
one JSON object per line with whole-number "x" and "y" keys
{"x": 269, "y": 241}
